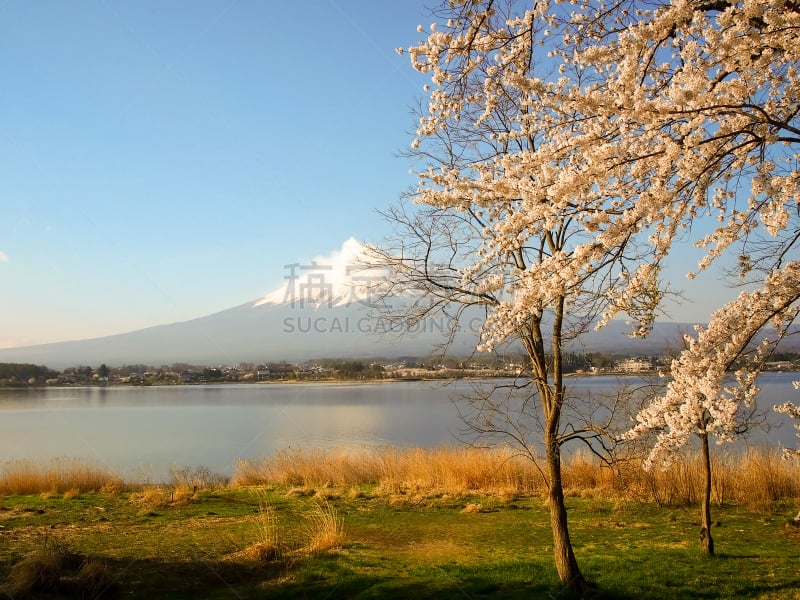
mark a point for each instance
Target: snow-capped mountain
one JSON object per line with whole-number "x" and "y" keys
{"x": 341, "y": 278}
{"x": 322, "y": 310}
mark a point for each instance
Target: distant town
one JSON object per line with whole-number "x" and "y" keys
{"x": 411, "y": 368}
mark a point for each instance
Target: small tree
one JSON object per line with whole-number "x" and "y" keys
{"x": 701, "y": 399}
{"x": 793, "y": 411}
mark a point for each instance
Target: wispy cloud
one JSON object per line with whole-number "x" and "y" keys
{"x": 4, "y": 257}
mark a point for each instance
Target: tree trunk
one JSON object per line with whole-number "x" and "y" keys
{"x": 706, "y": 540}
{"x": 566, "y": 565}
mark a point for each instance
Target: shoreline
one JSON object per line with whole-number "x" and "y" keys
{"x": 472, "y": 376}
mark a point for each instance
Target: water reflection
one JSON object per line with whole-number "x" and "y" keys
{"x": 145, "y": 431}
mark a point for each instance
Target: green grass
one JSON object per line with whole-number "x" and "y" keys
{"x": 191, "y": 547}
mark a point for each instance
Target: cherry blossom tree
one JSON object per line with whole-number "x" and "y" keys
{"x": 793, "y": 411}
{"x": 701, "y": 400}
{"x": 717, "y": 91}
{"x": 563, "y": 152}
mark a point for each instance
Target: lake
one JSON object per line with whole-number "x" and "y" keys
{"x": 142, "y": 432}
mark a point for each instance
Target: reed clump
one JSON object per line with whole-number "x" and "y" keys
{"x": 59, "y": 475}
{"x": 310, "y": 468}
{"x": 756, "y": 478}
{"x": 393, "y": 470}
{"x": 316, "y": 528}
{"x": 269, "y": 545}
{"x": 323, "y": 528}
{"x": 196, "y": 478}
{"x": 54, "y": 572}
{"x": 151, "y": 498}
{"x": 36, "y": 573}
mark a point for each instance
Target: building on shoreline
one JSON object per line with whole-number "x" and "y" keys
{"x": 635, "y": 365}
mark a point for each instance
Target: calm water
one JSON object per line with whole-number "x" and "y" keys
{"x": 143, "y": 432}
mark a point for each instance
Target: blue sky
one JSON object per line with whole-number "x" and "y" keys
{"x": 164, "y": 160}
{"x": 161, "y": 161}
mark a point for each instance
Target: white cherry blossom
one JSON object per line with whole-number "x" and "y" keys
{"x": 567, "y": 149}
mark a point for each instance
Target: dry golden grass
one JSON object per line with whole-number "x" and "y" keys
{"x": 300, "y": 492}
{"x": 762, "y": 479}
{"x": 183, "y": 494}
{"x": 150, "y": 498}
{"x": 258, "y": 552}
{"x": 326, "y": 494}
{"x": 754, "y": 478}
{"x": 355, "y": 493}
{"x": 59, "y": 475}
{"x": 112, "y": 488}
{"x": 267, "y": 546}
{"x": 323, "y": 529}
{"x": 758, "y": 479}
{"x": 456, "y": 470}
{"x": 300, "y": 468}
{"x": 393, "y": 470}
{"x": 196, "y": 478}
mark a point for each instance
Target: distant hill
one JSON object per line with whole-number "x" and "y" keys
{"x": 321, "y": 311}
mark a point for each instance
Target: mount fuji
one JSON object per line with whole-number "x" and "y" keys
{"x": 323, "y": 310}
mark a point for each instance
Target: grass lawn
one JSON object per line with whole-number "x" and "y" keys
{"x": 164, "y": 545}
